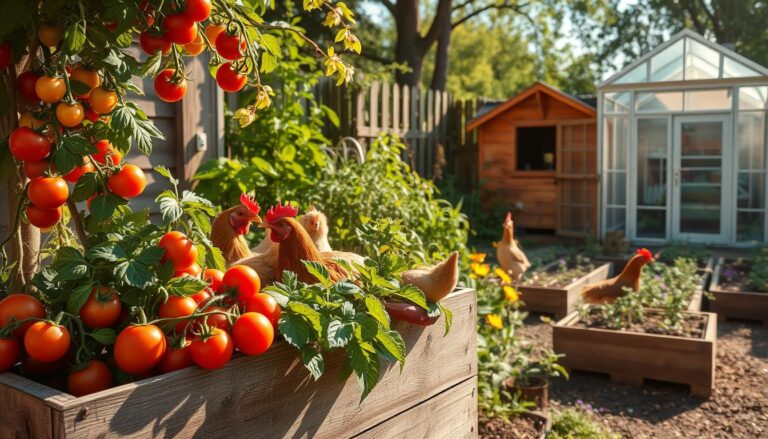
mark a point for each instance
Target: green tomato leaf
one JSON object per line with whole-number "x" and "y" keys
{"x": 412, "y": 294}
{"x": 377, "y": 311}
{"x": 85, "y": 187}
{"x": 107, "y": 251}
{"x": 185, "y": 286}
{"x": 448, "y": 315}
{"x": 78, "y": 297}
{"x": 392, "y": 345}
{"x": 304, "y": 310}
{"x": 319, "y": 271}
{"x": 339, "y": 334}
{"x": 74, "y": 39}
{"x": 313, "y": 361}
{"x": 295, "y": 329}
{"x": 105, "y": 336}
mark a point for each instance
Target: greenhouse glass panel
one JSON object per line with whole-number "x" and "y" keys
{"x": 659, "y": 102}
{"x": 701, "y": 62}
{"x": 735, "y": 69}
{"x": 668, "y": 64}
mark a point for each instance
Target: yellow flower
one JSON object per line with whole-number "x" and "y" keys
{"x": 511, "y": 294}
{"x": 480, "y": 270}
{"x": 494, "y": 320}
{"x": 477, "y": 257}
{"x": 502, "y": 275}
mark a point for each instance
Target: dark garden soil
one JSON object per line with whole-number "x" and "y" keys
{"x": 517, "y": 427}
{"x": 738, "y": 408}
{"x": 735, "y": 276}
{"x": 558, "y": 277}
{"x": 692, "y": 326}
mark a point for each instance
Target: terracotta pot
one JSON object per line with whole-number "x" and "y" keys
{"x": 537, "y": 391}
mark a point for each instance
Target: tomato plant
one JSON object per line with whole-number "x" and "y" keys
{"x": 88, "y": 77}
{"x": 230, "y": 46}
{"x": 230, "y": 79}
{"x": 128, "y": 182}
{"x": 102, "y": 309}
{"x": 244, "y": 280}
{"x": 176, "y": 358}
{"x": 215, "y": 320}
{"x": 169, "y": 87}
{"x": 197, "y": 10}
{"x": 50, "y": 89}
{"x": 70, "y": 115}
{"x": 253, "y": 333}
{"x": 43, "y": 218}
{"x": 178, "y": 249}
{"x": 151, "y": 42}
{"x": 18, "y": 307}
{"x": 103, "y": 100}
{"x": 179, "y": 29}
{"x": 48, "y": 192}
{"x": 10, "y": 352}
{"x": 50, "y": 35}
{"x": 196, "y": 47}
{"x": 46, "y": 341}
{"x": 213, "y": 350}
{"x": 139, "y": 348}
{"x": 215, "y": 279}
{"x": 264, "y": 304}
{"x": 92, "y": 378}
{"x": 28, "y": 145}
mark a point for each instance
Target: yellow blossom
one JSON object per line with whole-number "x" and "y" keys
{"x": 511, "y": 294}
{"x": 477, "y": 257}
{"x": 502, "y": 275}
{"x": 494, "y": 320}
{"x": 480, "y": 270}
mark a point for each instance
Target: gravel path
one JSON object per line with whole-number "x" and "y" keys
{"x": 738, "y": 409}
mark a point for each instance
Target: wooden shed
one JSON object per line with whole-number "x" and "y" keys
{"x": 537, "y": 156}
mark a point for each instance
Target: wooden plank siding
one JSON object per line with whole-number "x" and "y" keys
{"x": 562, "y": 199}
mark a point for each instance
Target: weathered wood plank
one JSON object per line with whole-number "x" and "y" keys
{"x": 271, "y": 395}
{"x": 23, "y": 415}
{"x": 430, "y": 418}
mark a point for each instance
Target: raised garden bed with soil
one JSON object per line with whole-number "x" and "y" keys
{"x": 733, "y": 295}
{"x": 555, "y": 288}
{"x": 705, "y": 268}
{"x": 272, "y": 396}
{"x": 530, "y": 425}
{"x": 638, "y": 353}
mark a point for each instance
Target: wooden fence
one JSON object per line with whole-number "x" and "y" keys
{"x": 430, "y": 122}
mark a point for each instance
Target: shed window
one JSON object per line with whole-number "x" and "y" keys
{"x": 536, "y": 148}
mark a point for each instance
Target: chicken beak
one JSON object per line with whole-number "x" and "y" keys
{"x": 256, "y": 219}
{"x": 263, "y": 225}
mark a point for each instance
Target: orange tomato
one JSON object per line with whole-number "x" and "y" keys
{"x": 193, "y": 270}
{"x": 43, "y": 218}
{"x": 50, "y": 35}
{"x": 128, "y": 182}
{"x": 179, "y": 249}
{"x": 48, "y": 192}
{"x": 196, "y": 47}
{"x": 36, "y": 169}
{"x": 20, "y": 306}
{"x": 87, "y": 77}
{"x": 70, "y": 115}
{"x": 46, "y": 341}
{"x": 103, "y": 100}
{"x": 213, "y": 30}
{"x": 50, "y": 89}
{"x": 93, "y": 378}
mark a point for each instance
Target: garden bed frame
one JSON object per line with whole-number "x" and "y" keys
{"x": 559, "y": 301}
{"x": 746, "y": 305}
{"x": 631, "y": 357}
{"x": 272, "y": 395}
{"x": 698, "y": 295}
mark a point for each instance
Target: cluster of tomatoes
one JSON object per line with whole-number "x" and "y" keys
{"x": 203, "y": 329}
{"x": 182, "y": 28}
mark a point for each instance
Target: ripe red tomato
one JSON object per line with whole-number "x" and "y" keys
{"x": 69, "y": 115}
{"x": 230, "y": 47}
{"x": 193, "y": 270}
{"x": 28, "y": 145}
{"x": 201, "y": 296}
{"x": 196, "y": 47}
{"x": 25, "y": 84}
{"x": 78, "y": 172}
{"x": 91, "y": 115}
{"x": 151, "y": 42}
{"x": 176, "y": 359}
{"x": 139, "y": 348}
{"x": 102, "y": 309}
{"x": 10, "y": 352}
{"x": 50, "y": 35}
{"x": 197, "y": 10}
{"x": 87, "y": 77}
{"x": 6, "y": 50}
{"x": 179, "y": 29}
{"x": 217, "y": 320}
{"x": 214, "y": 351}
{"x": 50, "y": 89}
{"x": 106, "y": 150}
{"x": 244, "y": 279}
{"x": 214, "y": 278}
{"x": 128, "y": 182}
{"x": 46, "y": 341}
{"x": 102, "y": 100}
{"x": 43, "y": 218}
{"x": 93, "y": 378}
{"x": 253, "y": 333}
{"x": 177, "y": 307}
{"x": 179, "y": 249}
{"x": 17, "y": 307}
{"x": 230, "y": 79}
{"x": 48, "y": 192}
{"x": 264, "y": 304}
{"x": 35, "y": 169}
{"x": 167, "y": 88}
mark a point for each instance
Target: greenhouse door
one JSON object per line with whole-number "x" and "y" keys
{"x": 577, "y": 179}
{"x": 701, "y": 179}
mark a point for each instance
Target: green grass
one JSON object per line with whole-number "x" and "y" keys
{"x": 576, "y": 424}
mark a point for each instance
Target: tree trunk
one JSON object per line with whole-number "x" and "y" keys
{"x": 440, "y": 75}
{"x": 408, "y": 49}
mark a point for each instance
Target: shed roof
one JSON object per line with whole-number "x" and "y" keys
{"x": 684, "y": 57}
{"x": 536, "y": 88}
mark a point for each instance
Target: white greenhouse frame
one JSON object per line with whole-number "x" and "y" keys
{"x": 732, "y": 75}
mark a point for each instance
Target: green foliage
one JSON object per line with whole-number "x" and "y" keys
{"x": 349, "y": 315}
{"x": 758, "y": 272}
{"x": 677, "y": 250}
{"x": 573, "y": 423}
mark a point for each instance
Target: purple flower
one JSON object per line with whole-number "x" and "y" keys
{"x": 657, "y": 277}
{"x": 663, "y": 286}
{"x": 579, "y": 402}
{"x": 588, "y": 407}
{"x": 730, "y": 272}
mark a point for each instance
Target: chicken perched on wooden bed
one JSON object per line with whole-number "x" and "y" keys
{"x": 436, "y": 281}
{"x": 508, "y": 253}
{"x": 609, "y": 290}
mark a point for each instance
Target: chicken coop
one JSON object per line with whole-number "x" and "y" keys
{"x": 537, "y": 156}
{"x": 683, "y": 141}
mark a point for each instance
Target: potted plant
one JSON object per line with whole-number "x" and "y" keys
{"x": 532, "y": 380}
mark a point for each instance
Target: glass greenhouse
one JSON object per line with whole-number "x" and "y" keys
{"x": 683, "y": 141}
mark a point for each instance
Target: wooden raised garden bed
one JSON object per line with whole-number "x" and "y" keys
{"x": 634, "y": 356}
{"x": 731, "y": 302}
{"x": 272, "y": 396}
{"x": 559, "y": 300}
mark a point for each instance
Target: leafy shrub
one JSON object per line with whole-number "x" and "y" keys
{"x": 684, "y": 250}
{"x": 577, "y": 424}
{"x": 758, "y": 272}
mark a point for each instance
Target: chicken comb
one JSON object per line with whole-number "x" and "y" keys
{"x": 279, "y": 211}
{"x": 508, "y": 218}
{"x": 250, "y": 203}
{"x": 645, "y": 253}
